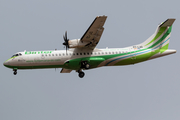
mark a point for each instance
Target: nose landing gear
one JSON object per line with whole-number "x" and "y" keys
{"x": 15, "y": 71}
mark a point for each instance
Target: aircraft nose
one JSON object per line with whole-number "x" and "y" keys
{"x": 5, "y": 63}
{"x": 8, "y": 63}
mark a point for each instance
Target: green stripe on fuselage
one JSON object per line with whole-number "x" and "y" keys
{"x": 162, "y": 29}
{"x": 162, "y": 38}
{"x": 11, "y": 58}
{"x": 137, "y": 59}
{"x": 164, "y": 48}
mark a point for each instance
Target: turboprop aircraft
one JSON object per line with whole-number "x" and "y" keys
{"x": 82, "y": 54}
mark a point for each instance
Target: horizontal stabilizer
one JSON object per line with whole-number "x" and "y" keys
{"x": 167, "y": 23}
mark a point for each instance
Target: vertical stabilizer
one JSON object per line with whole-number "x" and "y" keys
{"x": 161, "y": 37}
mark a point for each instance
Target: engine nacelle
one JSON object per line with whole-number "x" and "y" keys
{"x": 76, "y": 43}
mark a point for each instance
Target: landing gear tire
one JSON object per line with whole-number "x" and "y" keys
{"x": 15, "y": 72}
{"x": 81, "y": 74}
{"x": 87, "y": 66}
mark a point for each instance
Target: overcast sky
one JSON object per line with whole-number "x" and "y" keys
{"x": 145, "y": 91}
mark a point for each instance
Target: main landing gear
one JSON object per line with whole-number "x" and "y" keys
{"x": 15, "y": 71}
{"x": 84, "y": 65}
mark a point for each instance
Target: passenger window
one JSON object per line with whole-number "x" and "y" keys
{"x": 87, "y": 53}
{"x": 45, "y": 54}
{"x": 106, "y": 53}
{"x": 52, "y": 54}
{"x": 63, "y": 54}
{"x": 80, "y": 53}
{"x": 116, "y": 52}
{"x": 77, "y": 53}
{"x": 109, "y": 52}
{"x": 84, "y": 53}
{"x": 49, "y": 54}
{"x": 56, "y": 55}
{"x": 102, "y": 53}
{"x": 59, "y": 54}
{"x": 112, "y": 52}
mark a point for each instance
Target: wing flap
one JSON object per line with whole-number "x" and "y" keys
{"x": 65, "y": 70}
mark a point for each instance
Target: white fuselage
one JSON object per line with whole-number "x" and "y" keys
{"x": 57, "y": 58}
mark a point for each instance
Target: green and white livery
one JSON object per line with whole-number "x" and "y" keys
{"x": 82, "y": 54}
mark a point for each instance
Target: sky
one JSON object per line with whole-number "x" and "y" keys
{"x": 144, "y": 91}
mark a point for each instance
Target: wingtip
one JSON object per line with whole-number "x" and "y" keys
{"x": 102, "y": 16}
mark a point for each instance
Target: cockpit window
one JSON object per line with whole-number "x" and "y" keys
{"x": 17, "y": 55}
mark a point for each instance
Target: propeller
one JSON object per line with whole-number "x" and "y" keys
{"x": 66, "y": 41}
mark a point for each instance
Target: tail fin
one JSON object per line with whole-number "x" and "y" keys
{"x": 160, "y": 39}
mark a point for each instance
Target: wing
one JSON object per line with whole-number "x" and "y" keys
{"x": 65, "y": 70}
{"x": 94, "y": 32}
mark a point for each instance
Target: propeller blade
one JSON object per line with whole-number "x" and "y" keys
{"x": 66, "y": 35}
{"x": 66, "y": 49}
{"x": 66, "y": 44}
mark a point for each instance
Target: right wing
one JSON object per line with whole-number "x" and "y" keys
{"x": 94, "y": 32}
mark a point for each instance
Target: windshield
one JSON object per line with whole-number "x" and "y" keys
{"x": 19, "y": 54}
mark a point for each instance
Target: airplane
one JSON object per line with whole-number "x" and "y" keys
{"x": 82, "y": 54}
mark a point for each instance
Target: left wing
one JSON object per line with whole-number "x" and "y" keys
{"x": 94, "y": 32}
